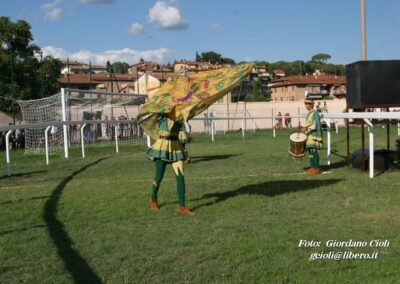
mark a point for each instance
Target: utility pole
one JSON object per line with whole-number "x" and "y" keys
{"x": 90, "y": 87}
{"x": 363, "y": 32}
{"x": 41, "y": 75}
{"x": 12, "y": 86}
{"x": 68, "y": 71}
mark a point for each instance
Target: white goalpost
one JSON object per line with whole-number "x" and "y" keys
{"x": 42, "y": 110}
{"x": 82, "y": 106}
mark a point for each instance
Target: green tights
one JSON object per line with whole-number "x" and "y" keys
{"x": 314, "y": 158}
{"x": 180, "y": 182}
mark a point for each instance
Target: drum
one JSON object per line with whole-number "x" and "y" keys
{"x": 297, "y": 142}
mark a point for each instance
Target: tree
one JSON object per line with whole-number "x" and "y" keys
{"x": 211, "y": 57}
{"x": 109, "y": 67}
{"x": 120, "y": 67}
{"x": 226, "y": 60}
{"x": 22, "y": 76}
{"x": 214, "y": 58}
{"x": 50, "y": 72}
{"x": 321, "y": 58}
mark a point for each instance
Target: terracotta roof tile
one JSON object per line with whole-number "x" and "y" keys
{"x": 309, "y": 79}
{"x": 95, "y": 78}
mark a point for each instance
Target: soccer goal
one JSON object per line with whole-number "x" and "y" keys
{"x": 95, "y": 117}
{"x": 46, "y": 110}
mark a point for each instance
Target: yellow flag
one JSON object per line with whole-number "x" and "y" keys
{"x": 184, "y": 97}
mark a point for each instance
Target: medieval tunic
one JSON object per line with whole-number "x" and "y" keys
{"x": 314, "y": 133}
{"x": 168, "y": 147}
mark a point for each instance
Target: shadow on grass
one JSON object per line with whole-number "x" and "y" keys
{"x": 23, "y": 174}
{"x": 79, "y": 269}
{"x": 269, "y": 188}
{"x": 211, "y": 158}
{"x": 26, "y": 199}
{"x": 335, "y": 165}
{"x": 21, "y": 229}
{"x": 335, "y": 153}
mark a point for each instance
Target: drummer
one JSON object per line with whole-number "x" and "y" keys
{"x": 313, "y": 130}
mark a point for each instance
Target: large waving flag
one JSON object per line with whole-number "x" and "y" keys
{"x": 184, "y": 97}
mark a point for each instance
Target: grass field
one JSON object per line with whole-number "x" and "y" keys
{"x": 87, "y": 220}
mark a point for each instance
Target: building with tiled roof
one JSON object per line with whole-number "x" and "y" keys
{"x": 149, "y": 66}
{"x": 296, "y": 88}
{"x": 116, "y": 83}
{"x": 101, "y": 82}
{"x": 75, "y": 67}
{"x": 188, "y": 66}
{"x": 279, "y": 73}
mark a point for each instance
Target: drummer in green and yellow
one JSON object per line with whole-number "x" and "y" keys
{"x": 313, "y": 130}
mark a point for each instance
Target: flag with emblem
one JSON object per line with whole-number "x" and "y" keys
{"x": 182, "y": 98}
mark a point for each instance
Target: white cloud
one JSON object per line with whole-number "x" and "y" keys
{"x": 52, "y": 11}
{"x": 216, "y": 27}
{"x": 136, "y": 29}
{"x": 97, "y": 1}
{"x": 54, "y": 15}
{"x": 127, "y": 55}
{"x": 166, "y": 17}
{"x": 55, "y": 52}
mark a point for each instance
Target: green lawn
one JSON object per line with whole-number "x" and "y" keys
{"x": 87, "y": 220}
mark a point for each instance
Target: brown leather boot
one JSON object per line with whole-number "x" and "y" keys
{"x": 153, "y": 204}
{"x": 310, "y": 171}
{"x": 313, "y": 171}
{"x": 317, "y": 171}
{"x": 185, "y": 211}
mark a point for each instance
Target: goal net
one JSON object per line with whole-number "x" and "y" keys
{"x": 44, "y": 110}
{"x": 107, "y": 108}
{"x": 102, "y": 115}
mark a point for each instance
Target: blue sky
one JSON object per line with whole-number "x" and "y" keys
{"x": 164, "y": 31}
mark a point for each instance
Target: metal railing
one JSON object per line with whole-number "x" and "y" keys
{"x": 367, "y": 117}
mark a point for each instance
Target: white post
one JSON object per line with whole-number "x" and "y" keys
{"x": 148, "y": 141}
{"x": 298, "y": 114}
{"x": 116, "y": 138}
{"x": 272, "y": 120}
{"x": 243, "y": 128}
{"x": 8, "y": 159}
{"x": 64, "y": 118}
{"x": 371, "y": 147}
{"x": 273, "y": 127}
{"x": 398, "y": 129}
{"x": 212, "y": 130}
{"x": 46, "y": 143}
{"x": 83, "y": 141}
{"x": 328, "y": 137}
{"x": 337, "y": 126}
{"x": 225, "y": 125}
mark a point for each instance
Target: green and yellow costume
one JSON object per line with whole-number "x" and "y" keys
{"x": 185, "y": 138}
{"x": 314, "y": 137}
{"x": 168, "y": 146}
{"x": 178, "y": 100}
{"x": 168, "y": 149}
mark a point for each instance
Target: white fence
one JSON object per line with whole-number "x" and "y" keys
{"x": 367, "y": 117}
{"x": 83, "y": 132}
